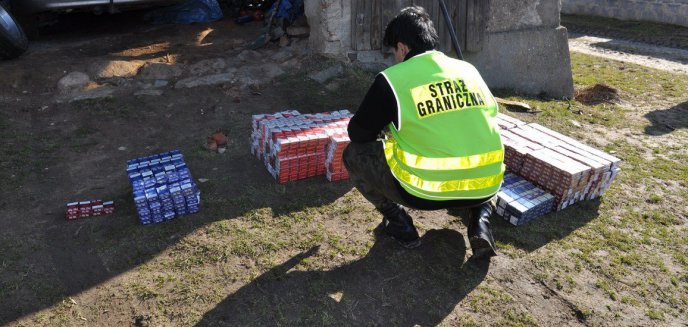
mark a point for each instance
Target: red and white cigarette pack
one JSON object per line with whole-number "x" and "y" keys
{"x": 335, "y": 166}
{"x": 83, "y": 209}
{"x": 292, "y": 145}
{"x": 564, "y": 167}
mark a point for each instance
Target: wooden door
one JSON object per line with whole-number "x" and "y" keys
{"x": 370, "y": 17}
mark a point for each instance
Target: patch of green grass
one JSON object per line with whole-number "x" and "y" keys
{"x": 607, "y": 289}
{"x": 631, "y": 29}
{"x": 485, "y": 297}
{"x": 467, "y": 321}
{"x": 639, "y": 83}
{"x": 630, "y": 300}
{"x": 655, "y": 199}
{"x": 655, "y": 314}
{"x": 513, "y": 318}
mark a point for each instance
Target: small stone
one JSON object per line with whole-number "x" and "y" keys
{"x": 293, "y": 63}
{"x": 281, "y": 56}
{"x": 115, "y": 68}
{"x": 327, "y": 74}
{"x": 149, "y": 92}
{"x": 298, "y": 31}
{"x": 204, "y": 67}
{"x": 73, "y": 81}
{"x": 219, "y": 138}
{"x": 211, "y": 145}
{"x": 97, "y": 93}
{"x": 575, "y": 123}
{"x": 333, "y": 86}
{"x": 203, "y": 180}
{"x": 221, "y": 150}
{"x": 248, "y": 55}
{"x": 122, "y": 148}
{"x": 160, "y": 71}
{"x": 284, "y": 41}
{"x": 204, "y": 80}
{"x": 160, "y": 83}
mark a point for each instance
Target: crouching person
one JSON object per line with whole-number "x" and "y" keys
{"x": 442, "y": 149}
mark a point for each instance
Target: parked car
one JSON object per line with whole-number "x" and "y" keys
{"x": 13, "y": 40}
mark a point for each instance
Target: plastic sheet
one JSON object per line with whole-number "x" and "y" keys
{"x": 192, "y": 11}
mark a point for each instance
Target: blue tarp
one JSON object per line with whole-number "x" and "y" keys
{"x": 289, "y": 9}
{"x": 191, "y": 11}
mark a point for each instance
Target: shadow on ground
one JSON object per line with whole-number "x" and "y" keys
{"x": 667, "y": 120}
{"x": 554, "y": 226}
{"x": 392, "y": 285}
{"x": 83, "y": 254}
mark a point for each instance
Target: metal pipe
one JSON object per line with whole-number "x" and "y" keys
{"x": 452, "y": 31}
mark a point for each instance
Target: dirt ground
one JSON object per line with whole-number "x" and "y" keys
{"x": 307, "y": 253}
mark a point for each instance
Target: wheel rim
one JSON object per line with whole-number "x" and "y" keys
{"x": 8, "y": 23}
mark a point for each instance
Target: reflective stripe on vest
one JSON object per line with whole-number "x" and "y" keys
{"x": 446, "y": 145}
{"x": 439, "y": 186}
{"x": 452, "y": 163}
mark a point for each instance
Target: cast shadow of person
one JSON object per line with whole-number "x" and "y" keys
{"x": 389, "y": 286}
{"x": 668, "y": 120}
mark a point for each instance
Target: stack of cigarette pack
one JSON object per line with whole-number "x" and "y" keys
{"x": 294, "y": 146}
{"x": 333, "y": 161}
{"x": 163, "y": 187}
{"x": 519, "y": 201}
{"x": 570, "y": 170}
{"x": 76, "y": 210}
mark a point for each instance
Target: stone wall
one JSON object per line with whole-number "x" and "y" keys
{"x": 660, "y": 11}
{"x": 525, "y": 48}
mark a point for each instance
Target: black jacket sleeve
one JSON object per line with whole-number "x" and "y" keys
{"x": 378, "y": 109}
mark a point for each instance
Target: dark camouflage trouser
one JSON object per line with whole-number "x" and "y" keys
{"x": 370, "y": 174}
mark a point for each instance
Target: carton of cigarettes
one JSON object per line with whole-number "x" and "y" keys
{"x": 568, "y": 169}
{"x": 505, "y": 122}
{"x": 519, "y": 201}
{"x": 83, "y": 209}
{"x": 162, "y": 188}
{"x": 333, "y": 161}
{"x": 294, "y": 146}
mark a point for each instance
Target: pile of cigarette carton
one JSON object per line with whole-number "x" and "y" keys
{"x": 333, "y": 161}
{"x": 83, "y": 209}
{"x": 562, "y": 166}
{"x": 294, "y": 146}
{"x": 519, "y": 201}
{"x": 163, "y": 187}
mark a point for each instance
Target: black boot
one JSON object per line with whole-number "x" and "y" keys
{"x": 398, "y": 224}
{"x": 479, "y": 233}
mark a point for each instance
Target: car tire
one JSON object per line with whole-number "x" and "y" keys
{"x": 13, "y": 41}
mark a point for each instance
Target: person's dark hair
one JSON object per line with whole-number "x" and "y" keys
{"x": 414, "y": 28}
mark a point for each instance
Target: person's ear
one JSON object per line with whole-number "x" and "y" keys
{"x": 403, "y": 48}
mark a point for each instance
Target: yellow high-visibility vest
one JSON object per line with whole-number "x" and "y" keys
{"x": 446, "y": 146}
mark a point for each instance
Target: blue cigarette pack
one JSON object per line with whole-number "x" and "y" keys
{"x": 163, "y": 188}
{"x": 519, "y": 201}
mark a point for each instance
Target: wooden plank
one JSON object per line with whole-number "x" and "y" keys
{"x": 375, "y": 25}
{"x": 461, "y": 23}
{"x": 389, "y": 10}
{"x": 361, "y": 23}
{"x": 477, "y": 15}
{"x": 354, "y": 24}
